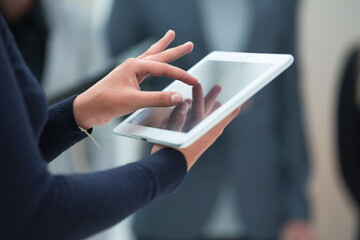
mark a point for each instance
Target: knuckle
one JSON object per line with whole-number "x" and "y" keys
{"x": 164, "y": 98}
{"x": 167, "y": 71}
{"x": 131, "y": 61}
{"x": 148, "y": 58}
{"x": 164, "y": 69}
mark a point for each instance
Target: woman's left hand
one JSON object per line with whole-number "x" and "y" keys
{"x": 119, "y": 93}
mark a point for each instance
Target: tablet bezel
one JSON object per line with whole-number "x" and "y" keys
{"x": 180, "y": 139}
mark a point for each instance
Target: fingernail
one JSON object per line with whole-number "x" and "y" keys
{"x": 168, "y": 32}
{"x": 176, "y": 98}
{"x": 189, "y": 42}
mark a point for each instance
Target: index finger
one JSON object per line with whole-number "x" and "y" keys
{"x": 159, "y": 69}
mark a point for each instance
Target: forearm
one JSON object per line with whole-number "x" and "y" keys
{"x": 77, "y": 206}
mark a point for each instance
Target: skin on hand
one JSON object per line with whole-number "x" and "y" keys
{"x": 178, "y": 118}
{"x": 119, "y": 92}
{"x": 298, "y": 230}
{"x": 194, "y": 151}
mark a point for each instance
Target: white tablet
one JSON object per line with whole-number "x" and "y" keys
{"x": 227, "y": 80}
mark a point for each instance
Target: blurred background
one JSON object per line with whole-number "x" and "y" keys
{"x": 70, "y": 44}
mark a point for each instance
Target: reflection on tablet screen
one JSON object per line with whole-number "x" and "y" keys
{"x": 219, "y": 82}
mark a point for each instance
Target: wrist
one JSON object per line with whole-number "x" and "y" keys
{"x": 82, "y": 112}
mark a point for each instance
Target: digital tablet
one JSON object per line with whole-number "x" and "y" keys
{"x": 226, "y": 80}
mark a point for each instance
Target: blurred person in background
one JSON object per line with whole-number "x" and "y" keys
{"x": 252, "y": 184}
{"x": 349, "y": 127}
{"x": 27, "y": 23}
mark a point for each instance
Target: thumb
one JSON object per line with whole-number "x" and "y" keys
{"x": 160, "y": 99}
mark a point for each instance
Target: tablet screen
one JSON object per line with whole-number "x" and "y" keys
{"x": 219, "y": 82}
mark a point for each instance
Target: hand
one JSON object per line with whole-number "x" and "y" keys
{"x": 297, "y": 230}
{"x": 194, "y": 151}
{"x": 119, "y": 92}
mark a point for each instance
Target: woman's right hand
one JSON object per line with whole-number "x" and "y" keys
{"x": 119, "y": 93}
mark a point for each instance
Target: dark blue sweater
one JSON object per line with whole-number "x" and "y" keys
{"x": 35, "y": 204}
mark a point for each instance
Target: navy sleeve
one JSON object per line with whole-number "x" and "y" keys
{"x": 37, "y": 205}
{"x": 61, "y": 130}
{"x": 78, "y": 206}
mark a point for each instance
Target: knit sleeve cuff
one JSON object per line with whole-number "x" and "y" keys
{"x": 61, "y": 130}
